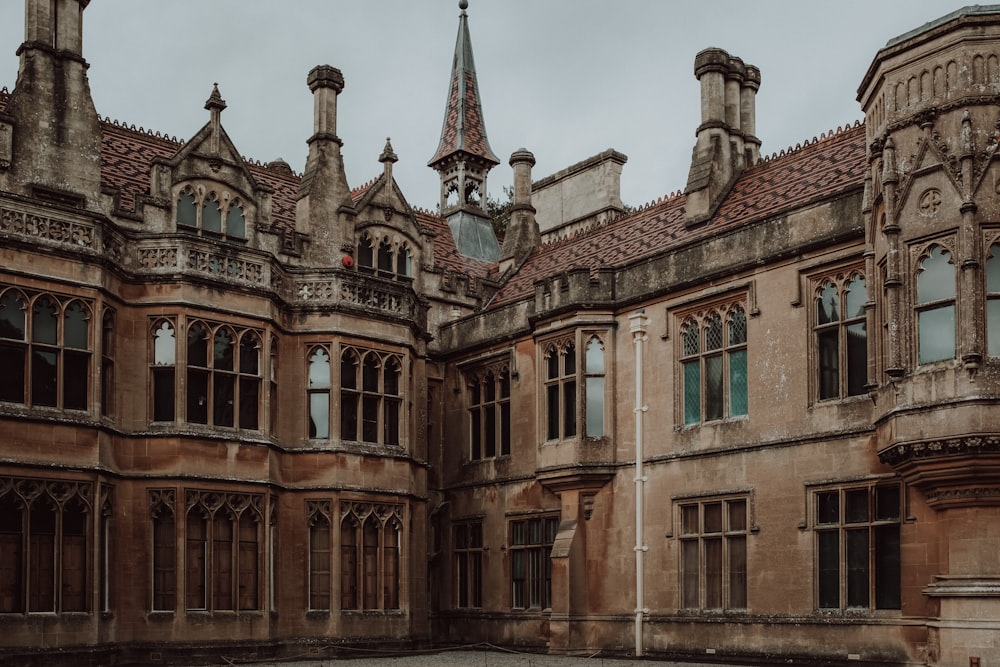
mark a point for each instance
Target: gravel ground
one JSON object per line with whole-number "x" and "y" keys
{"x": 488, "y": 657}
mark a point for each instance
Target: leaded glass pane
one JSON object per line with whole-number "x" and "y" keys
{"x": 689, "y": 334}
{"x": 713, "y": 332}
{"x": 738, "y": 382}
{"x": 692, "y": 392}
{"x": 737, "y": 326}
{"x": 713, "y": 388}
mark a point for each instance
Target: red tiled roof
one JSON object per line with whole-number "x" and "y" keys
{"x": 820, "y": 169}
{"x": 464, "y": 129}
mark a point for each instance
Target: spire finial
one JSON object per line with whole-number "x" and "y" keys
{"x": 215, "y": 100}
{"x": 463, "y": 4}
{"x": 387, "y": 154}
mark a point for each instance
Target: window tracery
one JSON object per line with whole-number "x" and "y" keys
{"x": 935, "y": 304}
{"x": 384, "y": 257}
{"x": 210, "y": 212}
{"x": 713, "y": 354}
{"x": 370, "y": 539}
{"x": 45, "y": 349}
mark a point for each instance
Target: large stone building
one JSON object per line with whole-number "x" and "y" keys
{"x": 248, "y": 412}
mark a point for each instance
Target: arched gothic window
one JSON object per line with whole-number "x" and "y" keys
{"x": 935, "y": 306}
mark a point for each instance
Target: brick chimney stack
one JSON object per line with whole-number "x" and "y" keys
{"x": 323, "y": 190}
{"x": 726, "y": 141}
{"x": 56, "y": 131}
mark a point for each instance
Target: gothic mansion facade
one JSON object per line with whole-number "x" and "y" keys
{"x": 245, "y": 411}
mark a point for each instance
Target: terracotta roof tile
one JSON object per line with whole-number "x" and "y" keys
{"x": 821, "y": 169}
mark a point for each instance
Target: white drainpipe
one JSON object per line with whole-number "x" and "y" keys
{"x": 638, "y": 329}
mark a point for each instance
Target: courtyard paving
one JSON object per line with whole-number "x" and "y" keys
{"x": 487, "y": 656}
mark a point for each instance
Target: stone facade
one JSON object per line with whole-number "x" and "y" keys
{"x": 245, "y": 410}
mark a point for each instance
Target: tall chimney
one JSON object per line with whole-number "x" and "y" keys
{"x": 56, "y": 131}
{"x": 323, "y": 189}
{"x": 748, "y": 114}
{"x": 727, "y": 120}
{"x": 522, "y": 235}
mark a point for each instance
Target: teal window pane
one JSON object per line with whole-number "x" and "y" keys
{"x": 692, "y": 392}
{"x": 738, "y": 382}
{"x": 936, "y": 332}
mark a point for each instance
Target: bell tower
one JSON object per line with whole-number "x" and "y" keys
{"x": 464, "y": 157}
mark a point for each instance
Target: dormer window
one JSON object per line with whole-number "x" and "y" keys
{"x": 211, "y": 213}
{"x": 383, "y": 257}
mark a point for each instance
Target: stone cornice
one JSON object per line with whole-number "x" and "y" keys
{"x": 901, "y": 452}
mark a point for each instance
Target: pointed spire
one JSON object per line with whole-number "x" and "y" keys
{"x": 464, "y": 128}
{"x": 464, "y": 157}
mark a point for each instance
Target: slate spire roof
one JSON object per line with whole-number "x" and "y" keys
{"x": 464, "y": 128}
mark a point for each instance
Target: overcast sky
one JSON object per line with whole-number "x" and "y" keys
{"x": 564, "y": 78}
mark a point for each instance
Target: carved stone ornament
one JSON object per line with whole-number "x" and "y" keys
{"x": 930, "y": 202}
